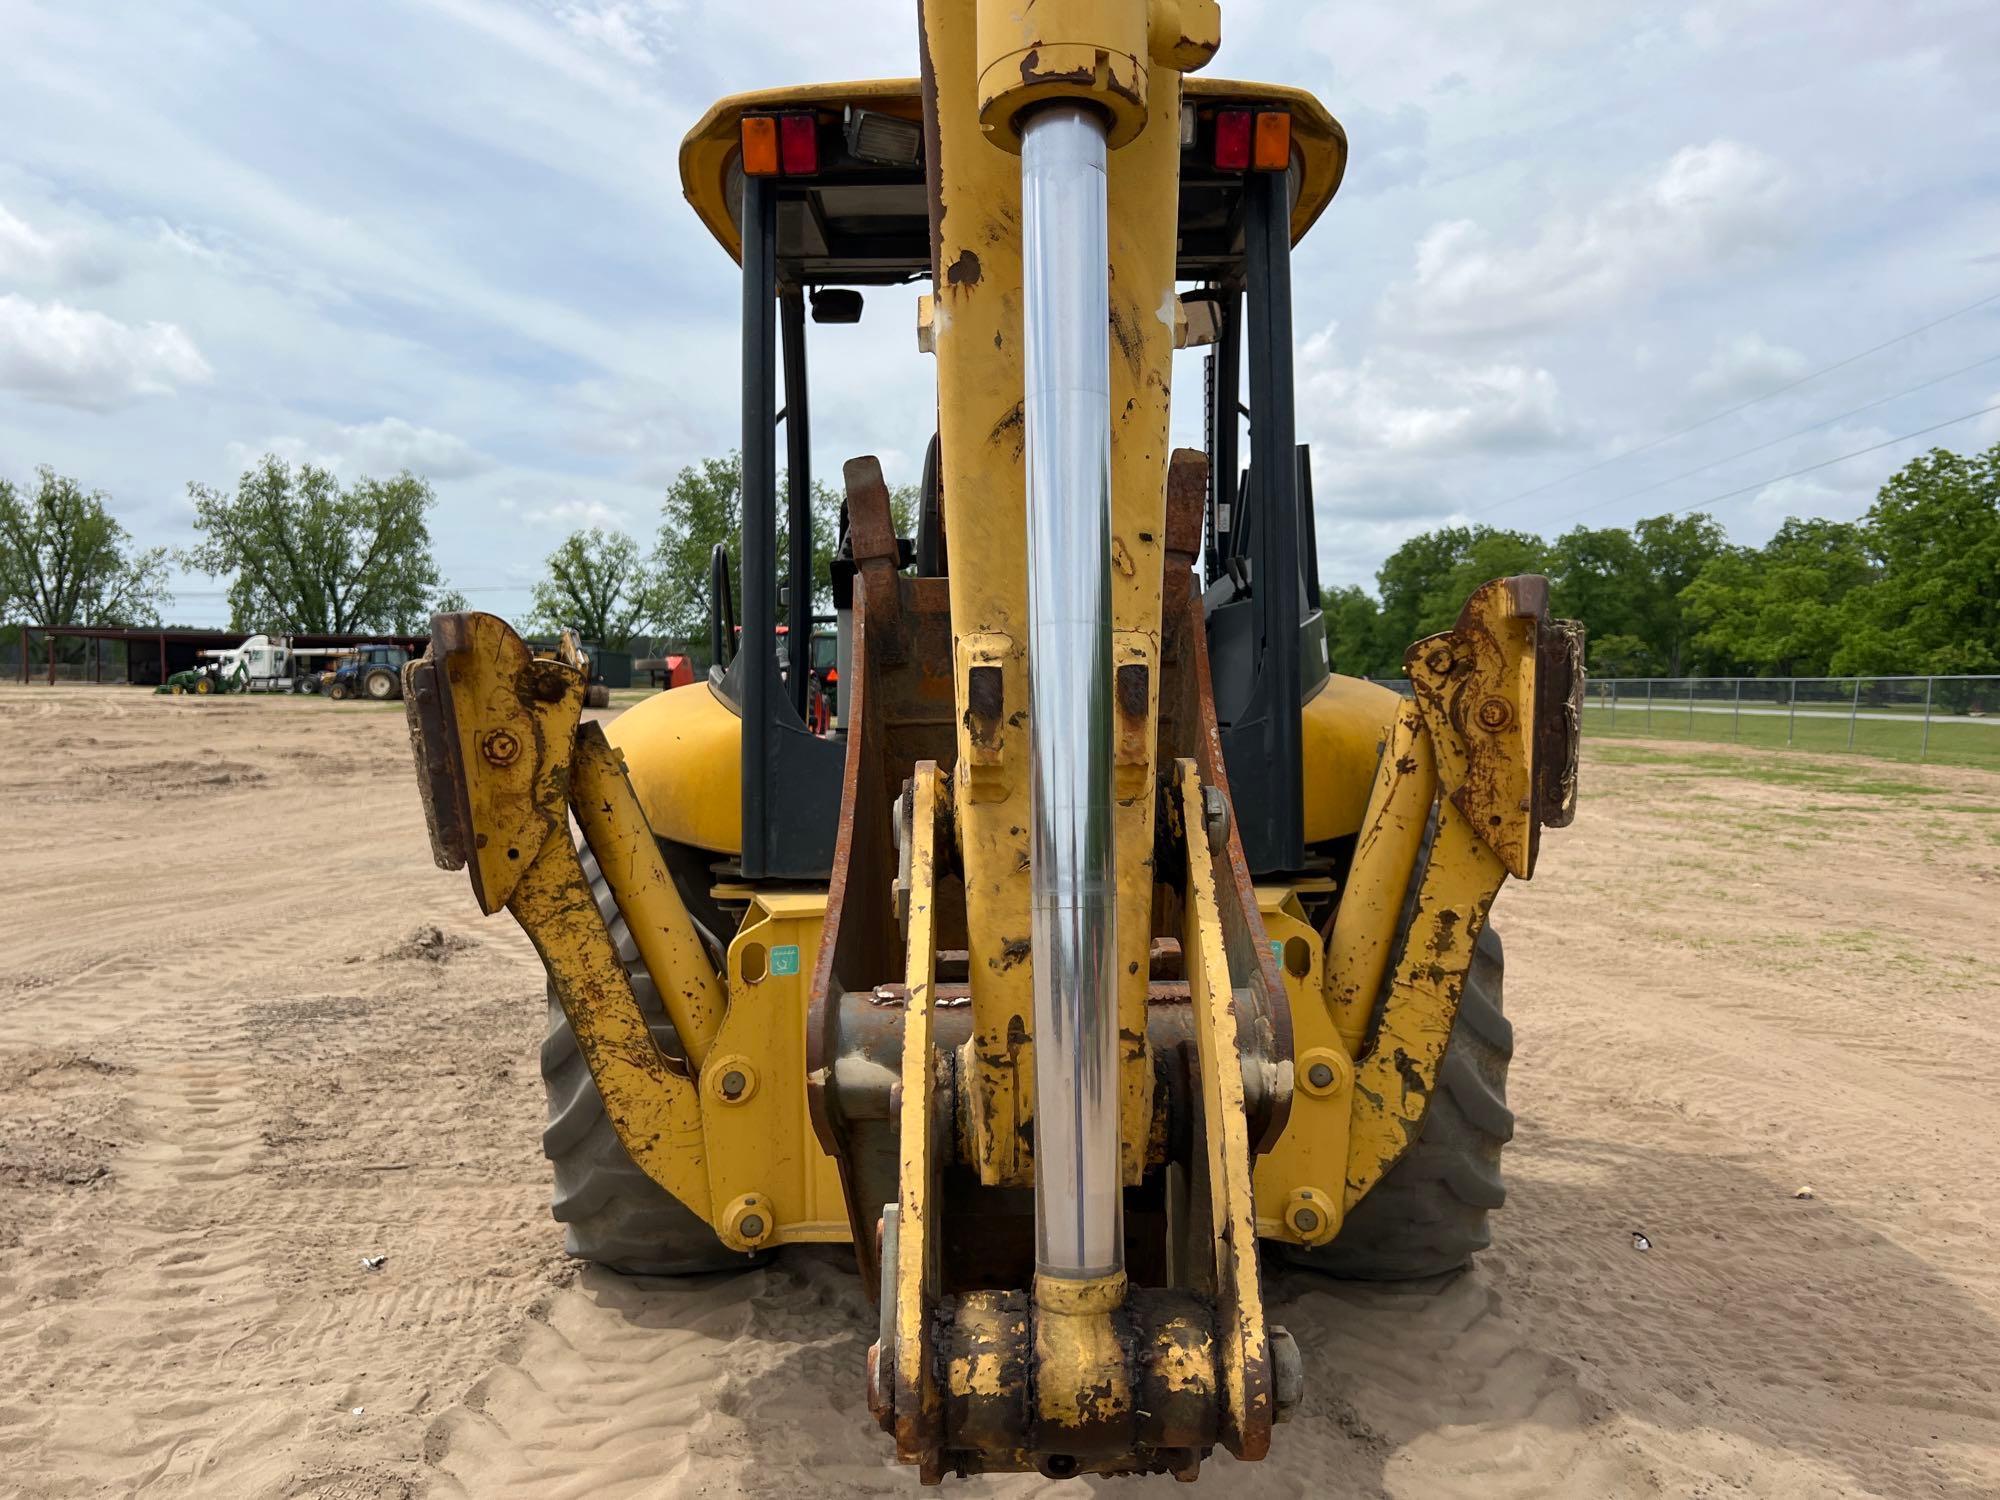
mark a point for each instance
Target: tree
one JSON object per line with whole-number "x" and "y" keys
{"x": 1598, "y": 575}
{"x": 450, "y": 602}
{"x": 1619, "y": 655}
{"x": 1674, "y": 550}
{"x": 598, "y": 584}
{"x": 309, "y": 556}
{"x": 64, "y": 560}
{"x": 1426, "y": 581}
{"x": 1354, "y": 642}
{"x": 1781, "y": 608}
{"x": 703, "y": 506}
{"x": 1934, "y": 530}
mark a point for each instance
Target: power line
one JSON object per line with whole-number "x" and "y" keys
{"x": 1813, "y": 468}
{"x": 1838, "y": 364}
{"x": 1647, "y": 489}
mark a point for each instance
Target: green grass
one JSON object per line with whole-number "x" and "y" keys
{"x": 1953, "y": 741}
{"x": 1854, "y": 778}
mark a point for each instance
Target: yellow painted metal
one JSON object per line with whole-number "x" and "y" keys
{"x": 1185, "y": 33}
{"x": 976, "y": 333}
{"x": 1098, "y": 51}
{"x": 1477, "y": 699}
{"x": 712, "y": 146}
{"x": 1475, "y": 684}
{"x": 651, "y": 1105}
{"x": 683, "y": 753}
{"x": 1385, "y": 854}
{"x": 1343, "y": 728}
{"x": 761, "y": 1142}
{"x": 513, "y": 719}
{"x": 629, "y": 855}
{"x": 1082, "y": 1375}
{"x": 1242, "y": 1340}
{"x": 509, "y": 720}
{"x": 918, "y": 1403}
{"x": 977, "y": 337}
{"x": 1393, "y": 1082}
{"x": 1311, "y": 1154}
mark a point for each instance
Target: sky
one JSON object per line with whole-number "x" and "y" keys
{"x": 449, "y": 235}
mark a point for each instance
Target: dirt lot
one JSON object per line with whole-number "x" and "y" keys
{"x": 249, "y": 1036}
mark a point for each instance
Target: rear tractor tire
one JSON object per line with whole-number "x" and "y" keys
{"x": 615, "y": 1215}
{"x": 1428, "y": 1214}
{"x": 381, "y": 685}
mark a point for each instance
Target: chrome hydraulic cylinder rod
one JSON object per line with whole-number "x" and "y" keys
{"x": 1079, "y": 1231}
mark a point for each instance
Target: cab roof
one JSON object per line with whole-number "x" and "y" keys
{"x": 871, "y": 225}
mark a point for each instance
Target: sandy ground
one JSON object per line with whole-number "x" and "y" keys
{"x": 234, "y": 1061}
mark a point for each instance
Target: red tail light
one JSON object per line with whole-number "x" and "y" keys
{"x": 1232, "y": 140}
{"x": 798, "y": 144}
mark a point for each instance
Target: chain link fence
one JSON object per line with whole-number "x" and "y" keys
{"x": 1948, "y": 720}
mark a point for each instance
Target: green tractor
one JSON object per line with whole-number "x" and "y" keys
{"x": 206, "y": 681}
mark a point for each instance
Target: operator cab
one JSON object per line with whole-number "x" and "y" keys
{"x": 821, "y": 193}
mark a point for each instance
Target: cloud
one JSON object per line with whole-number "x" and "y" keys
{"x": 73, "y": 356}
{"x": 574, "y": 514}
{"x": 240, "y": 458}
{"x": 25, "y": 252}
{"x": 1986, "y": 431}
{"x": 1709, "y": 205}
{"x": 1410, "y": 403}
{"x": 28, "y": 254}
{"x": 392, "y": 444}
{"x": 640, "y": 31}
{"x": 378, "y": 448}
{"x": 1747, "y": 365}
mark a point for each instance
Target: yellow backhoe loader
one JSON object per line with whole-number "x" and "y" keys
{"x": 1105, "y": 936}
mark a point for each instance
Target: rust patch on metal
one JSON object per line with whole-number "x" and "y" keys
{"x": 1126, "y": 337}
{"x": 1011, "y": 428}
{"x": 964, "y": 271}
{"x": 1134, "y": 690}
{"x": 1032, "y": 72}
{"x": 984, "y": 693}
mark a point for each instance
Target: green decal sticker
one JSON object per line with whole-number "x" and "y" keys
{"x": 785, "y": 960}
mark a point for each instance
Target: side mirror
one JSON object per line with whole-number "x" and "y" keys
{"x": 1200, "y": 323}
{"x": 836, "y": 304}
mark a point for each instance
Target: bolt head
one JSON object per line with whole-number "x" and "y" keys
{"x": 1320, "y": 1075}
{"x": 752, "y": 1227}
{"x": 1495, "y": 713}
{"x": 1215, "y": 815}
{"x": 1440, "y": 660}
{"x": 501, "y": 747}
{"x": 733, "y": 1084}
{"x": 1306, "y": 1220}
